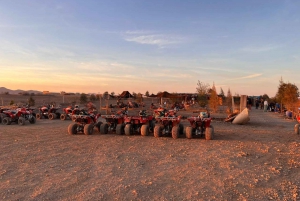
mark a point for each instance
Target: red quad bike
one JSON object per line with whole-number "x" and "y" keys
{"x": 84, "y": 123}
{"x": 167, "y": 125}
{"x": 49, "y": 112}
{"x": 18, "y": 116}
{"x": 69, "y": 112}
{"x": 114, "y": 123}
{"x": 140, "y": 124}
{"x": 200, "y": 126}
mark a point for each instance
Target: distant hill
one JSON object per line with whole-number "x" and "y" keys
{"x": 3, "y": 90}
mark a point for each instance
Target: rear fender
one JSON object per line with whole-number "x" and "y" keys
{"x": 207, "y": 122}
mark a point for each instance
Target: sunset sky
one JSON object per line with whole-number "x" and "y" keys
{"x": 93, "y": 46}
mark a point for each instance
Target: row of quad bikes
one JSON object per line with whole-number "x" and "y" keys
{"x": 18, "y": 116}
{"x": 162, "y": 123}
{"x": 21, "y": 115}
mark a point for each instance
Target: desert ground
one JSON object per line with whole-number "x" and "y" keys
{"x": 256, "y": 161}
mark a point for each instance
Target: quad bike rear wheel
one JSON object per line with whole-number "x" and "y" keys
{"x": 6, "y": 121}
{"x": 175, "y": 132}
{"x": 189, "y": 132}
{"x": 32, "y": 120}
{"x": 296, "y": 128}
{"x": 88, "y": 129}
{"x": 98, "y": 125}
{"x": 21, "y": 121}
{"x": 128, "y": 129}
{"x": 1, "y": 117}
{"x": 157, "y": 131}
{"x": 72, "y": 129}
{"x": 120, "y": 129}
{"x": 38, "y": 116}
{"x": 52, "y": 116}
{"x": 104, "y": 128}
{"x": 209, "y": 133}
{"x": 145, "y": 130}
{"x": 63, "y": 117}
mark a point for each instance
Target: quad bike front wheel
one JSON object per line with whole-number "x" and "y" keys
{"x": 128, "y": 129}
{"x": 51, "y": 116}
{"x": 189, "y": 132}
{"x": 175, "y": 132}
{"x": 88, "y": 129}
{"x": 72, "y": 129}
{"x": 32, "y": 120}
{"x": 120, "y": 129}
{"x": 157, "y": 131}
{"x": 296, "y": 128}
{"x": 21, "y": 121}
{"x": 6, "y": 121}
{"x": 209, "y": 133}
{"x": 104, "y": 128}
{"x": 63, "y": 117}
{"x": 38, "y": 116}
{"x": 145, "y": 130}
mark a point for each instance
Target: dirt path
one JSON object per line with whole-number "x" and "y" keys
{"x": 256, "y": 161}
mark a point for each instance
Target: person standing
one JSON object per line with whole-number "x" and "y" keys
{"x": 261, "y": 104}
{"x": 265, "y": 106}
{"x": 256, "y": 104}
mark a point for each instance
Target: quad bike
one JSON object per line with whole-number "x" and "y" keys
{"x": 48, "y": 112}
{"x": 84, "y": 123}
{"x": 200, "y": 126}
{"x": 19, "y": 116}
{"x": 140, "y": 124}
{"x": 69, "y": 112}
{"x": 168, "y": 124}
{"x": 114, "y": 122}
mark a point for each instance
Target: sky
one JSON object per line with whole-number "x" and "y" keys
{"x": 93, "y": 46}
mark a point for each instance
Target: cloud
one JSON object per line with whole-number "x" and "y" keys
{"x": 260, "y": 49}
{"x": 151, "y": 38}
{"x": 247, "y": 77}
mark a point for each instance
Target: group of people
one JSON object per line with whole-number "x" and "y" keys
{"x": 265, "y": 106}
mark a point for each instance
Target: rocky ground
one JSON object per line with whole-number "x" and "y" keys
{"x": 256, "y": 161}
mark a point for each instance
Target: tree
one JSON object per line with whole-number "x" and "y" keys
{"x": 31, "y": 101}
{"x": 290, "y": 97}
{"x": 139, "y": 98}
{"x": 228, "y": 101}
{"x": 83, "y": 98}
{"x": 287, "y": 94}
{"x": 222, "y": 92}
{"x": 106, "y": 95}
{"x": 112, "y": 94}
{"x": 265, "y": 97}
{"x": 12, "y": 102}
{"x": 213, "y": 99}
{"x": 147, "y": 94}
{"x": 93, "y": 97}
{"x": 202, "y": 89}
{"x": 134, "y": 95}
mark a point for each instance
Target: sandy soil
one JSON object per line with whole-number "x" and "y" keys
{"x": 257, "y": 161}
